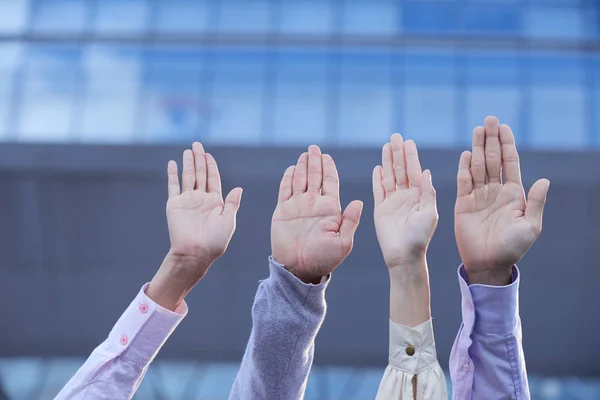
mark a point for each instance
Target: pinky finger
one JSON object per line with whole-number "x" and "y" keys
{"x": 173, "y": 179}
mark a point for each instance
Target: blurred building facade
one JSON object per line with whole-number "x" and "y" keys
{"x": 283, "y": 72}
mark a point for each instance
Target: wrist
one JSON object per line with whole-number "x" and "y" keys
{"x": 493, "y": 277}
{"x": 174, "y": 279}
{"x": 315, "y": 280}
{"x": 415, "y": 268}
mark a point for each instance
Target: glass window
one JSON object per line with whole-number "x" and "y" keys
{"x": 13, "y": 16}
{"x": 176, "y": 105}
{"x": 594, "y": 117}
{"x": 493, "y": 18}
{"x": 554, "y": 22}
{"x": 558, "y": 101}
{"x": 237, "y": 96}
{"x": 52, "y": 80}
{"x": 431, "y": 17}
{"x": 245, "y": 16}
{"x": 493, "y": 88}
{"x": 300, "y": 106}
{"x": 373, "y": 17}
{"x": 11, "y": 58}
{"x": 184, "y": 15}
{"x": 307, "y": 16}
{"x": 112, "y": 91}
{"x": 365, "y": 98}
{"x": 121, "y": 15}
{"x": 430, "y": 97}
{"x": 60, "y": 15}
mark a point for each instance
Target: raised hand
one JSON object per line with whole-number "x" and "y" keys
{"x": 405, "y": 220}
{"x": 405, "y": 207}
{"x": 309, "y": 234}
{"x": 494, "y": 223}
{"x": 200, "y": 223}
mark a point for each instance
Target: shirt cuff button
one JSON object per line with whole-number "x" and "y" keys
{"x": 410, "y": 350}
{"x": 123, "y": 340}
{"x": 143, "y": 308}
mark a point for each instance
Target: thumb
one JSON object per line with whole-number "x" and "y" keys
{"x": 536, "y": 198}
{"x": 350, "y": 220}
{"x": 232, "y": 202}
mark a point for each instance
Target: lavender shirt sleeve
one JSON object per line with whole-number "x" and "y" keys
{"x": 286, "y": 317}
{"x": 487, "y": 360}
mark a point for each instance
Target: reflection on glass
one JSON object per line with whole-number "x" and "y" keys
{"x": 121, "y": 16}
{"x": 494, "y": 19}
{"x": 112, "y": 93}
{"x": 301, "y": 107}
{"x": 175, "y": 106}
{"x": 64, "y": 16}
{"x": 13, "y": 16}
{"x": 237, "y": 97}
{"x": 431, "y": 17}
{"x": 543, "y": 22}
{"x": 307, "y": 17}
{"x": 184, "y": 16}
{"x": 11, "y": 57}
{"x": 379, "y": 17}
{"x": 238, "y": 16}
{"x": 365, "y": 99}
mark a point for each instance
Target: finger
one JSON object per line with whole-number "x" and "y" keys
{"x": 350, "y": 220}
{"x": 536, "y": 199}
{"x": 331, "y": 180}
{"x": 398, "y": 147}
{"x": 478, "y": 157}
{"x": 510, "y": 156}
{"x": 213, "y": 178}
{"x": 427, "y": 190}
{"x": 200, "y": 165}
{"x": 387, "y": 162}
{"x": 464, "y": 178}
{"x": 232, "y": 202}
{"x": 315, "y": 169}
{"x": 378, "y": 190}
{"x": 493, "y": 161}
{"x": 285, "y": 187}
{"x": 300, "y": 179}
{"x": 188, "y": 176}
{"x": 172, "y": 179}
{"x": 413, "y": 166}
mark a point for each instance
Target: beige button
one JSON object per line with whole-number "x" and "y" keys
{"x": 410, "y": 350}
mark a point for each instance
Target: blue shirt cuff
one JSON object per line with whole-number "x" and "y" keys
{"x": 490, "y": 309}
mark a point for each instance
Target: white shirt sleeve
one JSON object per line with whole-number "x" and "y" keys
{"x": 413, "y": 371}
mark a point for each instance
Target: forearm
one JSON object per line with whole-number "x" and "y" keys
{"x": 286, "y": 316}
{"x": 409, "y": 293}
{"x": 487, "y": 359}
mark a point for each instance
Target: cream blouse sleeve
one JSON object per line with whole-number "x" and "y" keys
{"x": 413, "y": 371}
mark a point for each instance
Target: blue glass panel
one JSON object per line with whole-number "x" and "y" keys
{"x": 176, "y": 104}
{"x": 237, "y": 96}
{"x": 493, "y": 68}
{"x": 307, "y": 16}
{"x": 112, "y": 89}
{"x": 493, "y": 18}
{"x": 431, "y": 17}
{"x": 594, "y": 117}
{"x": 430, "y": 67}
{"x": 556, "y": 68}
{"x": 11, "y": 57}
{"x": 245, "y": 16}
{"x": 365, "y": 98}
{"x": 184, "y": 16}
{"x": 13, "y": 16}
{"x": 554, "y": 22}
{"x": 51, "y": 83}
{"x": 380, "y": 17}
{"x": 483, "y": 100}
{"x": 121, "y": 15}
{"x": 60, "y": 16}
{"x": 301, "y": 107}
{"x": 558, "y": 116}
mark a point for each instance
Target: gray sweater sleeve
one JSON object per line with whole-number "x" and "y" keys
{"x": 286, "y": 317}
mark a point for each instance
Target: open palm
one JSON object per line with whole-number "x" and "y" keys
{"x": 494, "y": 223}
{"x": 405, "y": 208}
{"x": 200, "y": 222}
{"x": 309, "y": 234}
